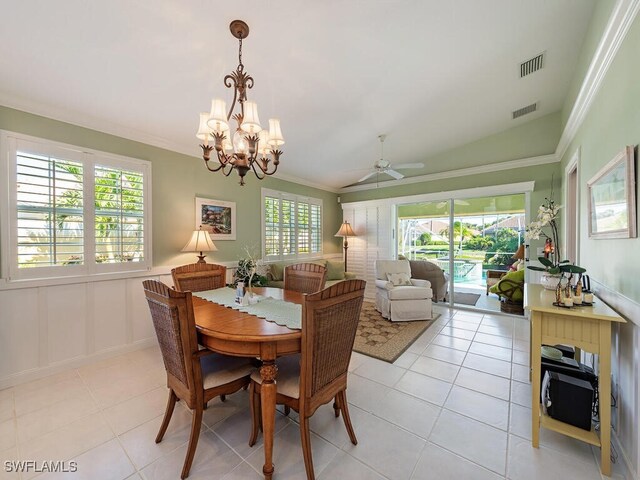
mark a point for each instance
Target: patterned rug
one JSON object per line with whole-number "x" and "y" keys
{"x": 383, "y": 339}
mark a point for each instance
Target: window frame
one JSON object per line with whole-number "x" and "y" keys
{"x": 296, "y": 199}
{"x": 11, "y": 143}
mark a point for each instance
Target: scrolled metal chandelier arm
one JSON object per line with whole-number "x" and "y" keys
{"x": 253, "y": 148}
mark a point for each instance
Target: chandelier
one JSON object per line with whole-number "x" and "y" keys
{"x": 251, "y": 147}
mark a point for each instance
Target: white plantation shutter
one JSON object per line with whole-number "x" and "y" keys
{"x": 372, "y": 225}
{"x": 292, "y": 226}
{"x": 119, "y": 215}
{"x": 49, "y": 211}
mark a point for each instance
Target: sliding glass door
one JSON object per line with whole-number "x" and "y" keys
{"x": 470, "y": 239}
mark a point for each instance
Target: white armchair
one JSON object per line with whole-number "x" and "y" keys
{"x": 399, "y": 297}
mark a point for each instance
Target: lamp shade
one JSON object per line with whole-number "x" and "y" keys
{"x": 250, "y": 120}
{"x": 263, "y": 146}
{"x": 519, "y": 255}
{"x": 218, "y": 116}
{"x": 200, "y": 241}
{"x": 203, "y": 128}
{"x": 345, "y": 230}
{"x": 275, "y": 133}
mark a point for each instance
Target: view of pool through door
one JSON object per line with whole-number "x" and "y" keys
{"x": 470, "y": 239}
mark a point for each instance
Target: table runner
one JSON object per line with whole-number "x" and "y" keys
{"x": 271, "y": 309}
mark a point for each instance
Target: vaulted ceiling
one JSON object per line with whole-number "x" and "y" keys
{"x": 430, "y": 74}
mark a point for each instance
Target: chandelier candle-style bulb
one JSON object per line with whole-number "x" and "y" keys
{"x": 246, "y": 147}
{"x": 218, "y": 117}
{"x": 250, "y": 120}
{"x": 263, "y": 143}
{"x": 275, "y": 133}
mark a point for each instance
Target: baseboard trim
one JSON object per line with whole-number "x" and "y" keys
{"x": 72, "y": 363}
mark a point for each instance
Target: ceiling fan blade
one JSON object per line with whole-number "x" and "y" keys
{"x": 368, "y": 175}
{"x": 394, "y": 174}
{"x": 409, "y": 165}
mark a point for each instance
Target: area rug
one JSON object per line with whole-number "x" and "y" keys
{"x": 383, "y": 339}
{"x": 465, "y": 298}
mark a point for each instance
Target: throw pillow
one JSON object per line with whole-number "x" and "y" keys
{"x": 503, "y": 288}
{"x": 399, "y": 279}
{"x": 276, "y": 270}
{"x": 335, "y": 270}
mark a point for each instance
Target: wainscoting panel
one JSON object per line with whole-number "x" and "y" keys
{"x": 46, "y": 329}
{"x": 108, "y": 319}
{"x": 19, "y": 331}
{"x": 66, "y": 311}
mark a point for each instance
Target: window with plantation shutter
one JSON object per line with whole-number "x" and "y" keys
{"x": 292, "y": 226}
{"x": 72, "y": 211}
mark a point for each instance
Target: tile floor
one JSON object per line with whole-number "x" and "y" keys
{"x": 454, "y": 406}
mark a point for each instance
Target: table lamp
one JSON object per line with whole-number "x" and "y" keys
{"x": 345, "y": 232}
{"x": 200, "y": 242}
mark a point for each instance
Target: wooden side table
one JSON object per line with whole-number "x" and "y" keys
{"x": 587, "y": 328}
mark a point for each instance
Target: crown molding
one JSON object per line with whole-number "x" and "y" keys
{"x": 463, "y": 172}
{"x": 623, "y": 15}
{"x": 305, "y": 182}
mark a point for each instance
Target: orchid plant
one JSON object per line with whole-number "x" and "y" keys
{"x": 547, "y": 218}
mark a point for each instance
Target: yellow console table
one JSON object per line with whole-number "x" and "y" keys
{"x": 586, "y": 328}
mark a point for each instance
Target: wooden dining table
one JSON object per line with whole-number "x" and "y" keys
{"x": 232, "y": 332}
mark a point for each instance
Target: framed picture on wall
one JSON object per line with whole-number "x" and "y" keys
{"x": 612, "y": 198}
{"x": 216, "y": 217}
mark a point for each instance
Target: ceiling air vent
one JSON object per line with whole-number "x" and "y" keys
{"x": 525, "y": 110}
{"x": 532, "y": 65}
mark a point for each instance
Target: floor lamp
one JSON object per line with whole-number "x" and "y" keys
{"x": 200, "y": 241}
{"x": 345, "y": 232}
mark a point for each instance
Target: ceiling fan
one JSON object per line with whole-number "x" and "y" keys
{"x": 384, "y": 166}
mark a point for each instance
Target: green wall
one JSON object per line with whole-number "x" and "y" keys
{"x": 612, "y": 122}
{"x": 535, "y": 138}
{"x": 176, "y": 180}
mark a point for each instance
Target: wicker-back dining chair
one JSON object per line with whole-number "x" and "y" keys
{"x": 193, "y": 376}
{"x": 305, "y": 277}
{"x": 319, "y": 374}
{"x": 198, "y": 277}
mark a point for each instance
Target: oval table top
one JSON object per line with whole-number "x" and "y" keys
{"x": 218, "y": 321}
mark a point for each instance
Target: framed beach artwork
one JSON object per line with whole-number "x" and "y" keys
{"x": 216, "y": 217}
{"x": 612, "y": 198}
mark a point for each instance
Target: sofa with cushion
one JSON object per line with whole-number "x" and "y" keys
{"x": 335, "y": 272}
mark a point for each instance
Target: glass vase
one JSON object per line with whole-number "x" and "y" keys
{"x": 550, "y": 280}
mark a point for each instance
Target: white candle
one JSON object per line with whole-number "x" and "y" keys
{"x": 577, "y": 299}
{"x": 588, "y": 297}
{"x": 568, "y": 302}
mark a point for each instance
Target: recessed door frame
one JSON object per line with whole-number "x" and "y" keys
{"x": 571, "y": 187}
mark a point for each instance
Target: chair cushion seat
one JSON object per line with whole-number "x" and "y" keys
{"x": 219, "y": 369}
{"x": 288, "y": 378}
{"x": 409, "y": 293}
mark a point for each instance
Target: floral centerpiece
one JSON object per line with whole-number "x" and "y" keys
{"x": 247, "y": 270}
{"x": 554, "y": 268}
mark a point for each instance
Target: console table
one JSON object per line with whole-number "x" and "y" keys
{"x": 586, "y": 328}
